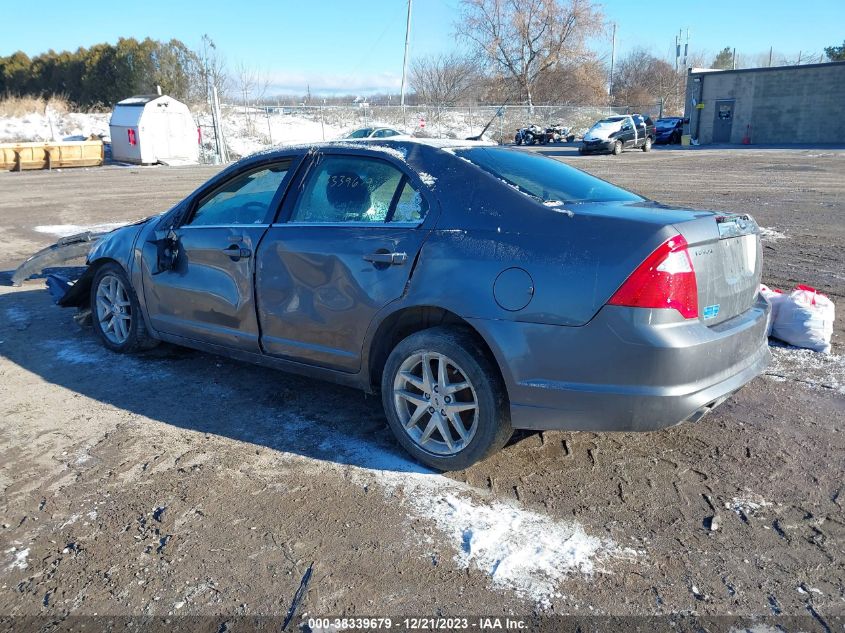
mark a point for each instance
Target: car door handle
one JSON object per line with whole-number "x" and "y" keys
{"x": 236, "y": 252}
{"x": 395, "y": 259}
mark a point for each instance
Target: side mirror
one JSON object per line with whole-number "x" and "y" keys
{"x": 167, "y": 251}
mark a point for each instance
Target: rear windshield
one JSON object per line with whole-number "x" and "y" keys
{"x": 544, "y": 179}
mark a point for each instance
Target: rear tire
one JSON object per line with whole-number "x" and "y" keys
{"x": 116, "y": 313}
{"x": 422, "y": 408}
{"x": 617, "y": 148}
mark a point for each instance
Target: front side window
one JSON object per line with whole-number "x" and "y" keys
{"x": 245, "y": 199}
{"x": 544, "y": 179}
{"x": 343, "y": 189}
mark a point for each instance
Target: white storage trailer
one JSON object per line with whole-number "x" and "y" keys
{"x": 147, "y": 129}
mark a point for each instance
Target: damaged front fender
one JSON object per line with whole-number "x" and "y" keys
{"x": 66, "y": 249}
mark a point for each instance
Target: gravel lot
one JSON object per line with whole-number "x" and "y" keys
{"x": 177, "y": 483}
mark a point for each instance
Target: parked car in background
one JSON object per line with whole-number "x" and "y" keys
{"x": 669, "y": 130}
{"x": 373, "y": 132}
{"x": 617, "y": 133}
{"x": 479, "y": 289}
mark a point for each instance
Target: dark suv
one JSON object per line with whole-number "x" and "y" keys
{"x": 616, "y": 133}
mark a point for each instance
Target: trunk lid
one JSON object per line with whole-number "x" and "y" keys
{"x": 727, "y": 257}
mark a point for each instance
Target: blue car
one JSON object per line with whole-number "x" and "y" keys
{"x": 669, "y": 130}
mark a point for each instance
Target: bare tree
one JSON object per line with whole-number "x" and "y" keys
{"x": 524, "y": 38}
{"x": 583, "y": 82}
{"x": 643, "y": 79}
{"x": 443, "y": 80}
{"x": 210, "y": 71}
{"x": 252, "y": 88}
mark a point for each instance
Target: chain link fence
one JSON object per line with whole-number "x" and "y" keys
{"x": 248, "y": 129}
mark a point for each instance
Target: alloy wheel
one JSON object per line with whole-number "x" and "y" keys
{"x": 114, "y": 310}
{"x": 436, "y": 403}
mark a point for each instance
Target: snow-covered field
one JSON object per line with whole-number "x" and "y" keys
{"x": 248, "y": 130}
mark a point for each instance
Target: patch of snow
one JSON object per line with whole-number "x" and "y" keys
{"x": 36, "y": 127}
{"x": 811, "y": 369}
{"x": 557, "y": 205}
{"x": 771, "y": 234}
{"x": 749, "y": 504}
{"x": 64, "y": 230}
{"x": 19, "y": 558}
{"x": 519, "y": 549}
{"x": 428, "y": 179}
{"x": 756, "y": 628}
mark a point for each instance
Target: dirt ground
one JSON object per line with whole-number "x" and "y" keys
{"x": 180, "y": 484}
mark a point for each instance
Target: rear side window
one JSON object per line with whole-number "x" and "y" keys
{"x": 544, "y": 179}
{"x": 344, "y": 189}
{"x": 244, "y": 199}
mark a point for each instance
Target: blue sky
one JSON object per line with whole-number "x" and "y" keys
{"x": 355, "y": 46}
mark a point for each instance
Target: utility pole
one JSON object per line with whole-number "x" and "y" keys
{"x": 612, "y": 60}
{"x": 405, "y": 58}
{"x": 734, "y": 59}
{"x": 677, "y": 50}
{"x": 771, "y": 48}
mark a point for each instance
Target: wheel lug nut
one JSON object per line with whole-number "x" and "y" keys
{"x": 442, "y": 411}
{"x": 448, "y": 399}
{"x": 431, "y": 409}
{"x": 428, "y": 396}
{"x": 435, "y": 389}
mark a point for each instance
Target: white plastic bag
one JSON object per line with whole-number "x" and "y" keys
{"x": 774, "y": 297}
{"x": 805, "y": 319}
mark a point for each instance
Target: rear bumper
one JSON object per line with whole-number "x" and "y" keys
{"x": 628, "y": 369}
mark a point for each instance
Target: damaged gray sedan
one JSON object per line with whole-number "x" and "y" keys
{"x": 480, "y": 289}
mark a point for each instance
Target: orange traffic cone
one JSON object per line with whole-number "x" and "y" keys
{"x": 746, "y": 140}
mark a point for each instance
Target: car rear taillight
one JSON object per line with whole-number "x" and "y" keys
{"x": 666, "y": 279}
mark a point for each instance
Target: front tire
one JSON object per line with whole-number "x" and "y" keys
{"x": 116, "y": 312}
{"x": 647, "y": 144}
{"x": 444, "y": 399}
{"x": 617, "y": 148}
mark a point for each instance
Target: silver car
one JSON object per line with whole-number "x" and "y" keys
{"x": 480, "y": 289}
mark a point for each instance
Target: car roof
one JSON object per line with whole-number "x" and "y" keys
{"x": 386, "y": 145}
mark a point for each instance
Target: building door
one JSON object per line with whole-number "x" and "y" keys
{"x": 723, "y": 122}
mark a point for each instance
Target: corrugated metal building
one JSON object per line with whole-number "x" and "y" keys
{"x": 783, "y": 104}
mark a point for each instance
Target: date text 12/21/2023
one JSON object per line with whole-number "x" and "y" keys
{"x": 426, "y": 623}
